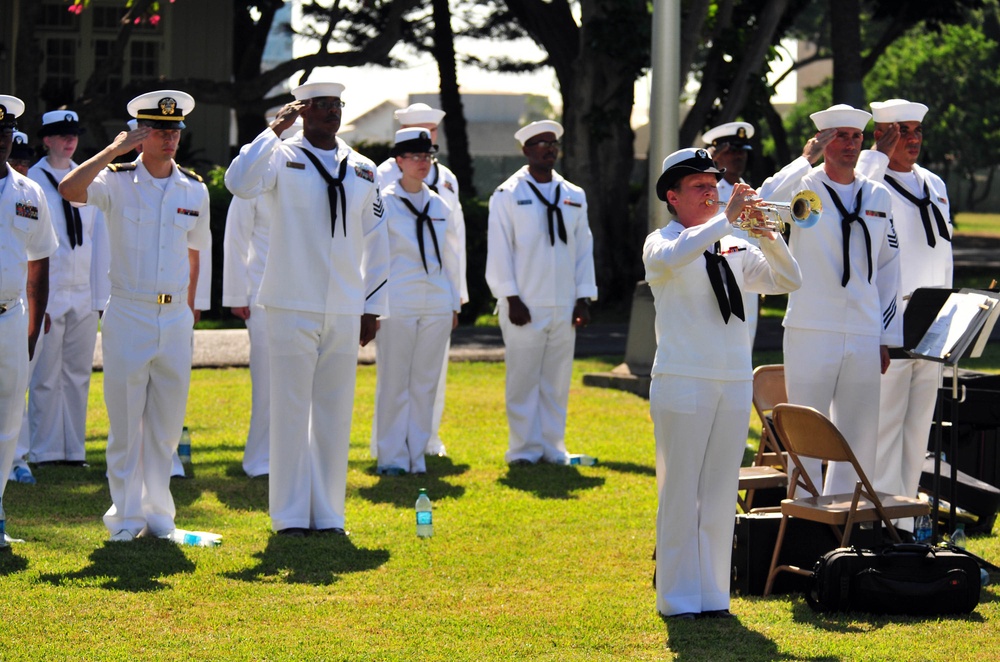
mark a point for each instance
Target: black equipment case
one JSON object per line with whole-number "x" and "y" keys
{"x": 908, "y": 578}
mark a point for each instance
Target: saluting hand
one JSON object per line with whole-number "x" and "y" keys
{"x": 886, "y": 140}
{"x": 815, "y": 146}
{"x": 126, "y": 141}
{"x": 286, "y": 116}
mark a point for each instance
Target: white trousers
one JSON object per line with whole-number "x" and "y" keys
{"x": 435, "y": 446}
{"x": 408, "y": 356}
{"x": 60, "y": 383}
{"x": 701, "y": 429}
{"x": 908, "y": 395}
{"x": 257, "y": 451}
{"x": 24, "y": 436}
{"x": 539, "y": 361}
{"x": 13, "y": 383}
{"x": 838, "y": 374}
{"x": 147, "y": 371}
{"x": 314, "y": 362}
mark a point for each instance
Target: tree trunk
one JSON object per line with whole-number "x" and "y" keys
{"x": 845, "y": 39}
{"x": 451, "y": 99}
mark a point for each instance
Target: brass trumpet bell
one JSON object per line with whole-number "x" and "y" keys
{"x": 804, "y": 209}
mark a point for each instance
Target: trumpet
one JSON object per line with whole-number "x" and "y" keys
{"x": 804, "y": 209}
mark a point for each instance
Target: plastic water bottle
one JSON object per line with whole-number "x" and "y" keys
{"x": 195, "y": 538}
{"x": 922, "y": 530}
{"x": 984, "y": 577}
{"x": 425, "y": 520}
{"x": 581, "y": 460}
{"x": 3, "y": 528}
{"x": 958, "y": 536}
{"x": 184, "y": 451}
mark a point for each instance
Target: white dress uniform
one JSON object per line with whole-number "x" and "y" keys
{"x": 315, "y": 288}
{"x": 700, "y": 403}
{"x": 751, "y": 300}
{"x": 549, "y": 275}
{"x": 412, "y": 342}
{"x": 442, "y": 181}
{"x": 60, "y": 382}
{"x": 909, "y": 386}
{"x": 833, "y": 332}
{"x": 147, "y": 333}
{"x": 245, "y": 245}
{"x": 26, "y": 234}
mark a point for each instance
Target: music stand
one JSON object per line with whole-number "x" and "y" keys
{"x": 931, "y": 311}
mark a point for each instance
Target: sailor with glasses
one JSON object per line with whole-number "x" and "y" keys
{"x": 540, "y": 268}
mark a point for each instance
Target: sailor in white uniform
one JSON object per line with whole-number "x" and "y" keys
{"x": 841, "y": 322}
{"x": 323, "y": 288}
{"x": 540, "y": 268}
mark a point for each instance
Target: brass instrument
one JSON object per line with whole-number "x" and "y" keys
{"x": 804, "y": 209}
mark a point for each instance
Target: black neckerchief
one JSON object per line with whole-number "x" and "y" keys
{"x": 925, "y": 216}
{"x": 731, "y": 302}
{"x": 422, "y": 218}
{"x": 845, "y": 224}
{"x": 554, "y": 212}
{"x": 74, "y": 225}
{"x": 334, "y": 190}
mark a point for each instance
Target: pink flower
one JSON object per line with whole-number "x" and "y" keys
{"x": 138, "y": 20}
{"x": 154, "y": 19}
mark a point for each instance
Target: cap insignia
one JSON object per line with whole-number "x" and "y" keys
{"x": 167, "y": 105}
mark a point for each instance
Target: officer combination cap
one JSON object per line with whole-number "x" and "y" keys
{"x": 841, "y": 115}
{"x": 60, "y": 123}
{"x": 526, "y": 133}
{"x": 163, "y": 109}
{"x": 10, "y": 109}
{"x": 20, "y": 149}
{"x": 413, "y": 141}
{"x": 736, "y": 134}
{"x": 680, "y": 164}
{"x": 898, "y": 110}
{"x": 419, "y": 113}
{"x": 316, "y": 90}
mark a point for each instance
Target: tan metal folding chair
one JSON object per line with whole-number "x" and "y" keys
{"x": 769, "y": 467}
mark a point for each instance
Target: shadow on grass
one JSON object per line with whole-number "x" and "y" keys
{"x": 858, "y": 622}
{"x": 401, "y": 491}
{"x": 629, "y": 468}
{"x": 549, "y": 481}
{"x": 11, "y": 563}
{"x": 135, "y": 566}
{"x": 318, "y": 560}
{"x": 723, "y": 639}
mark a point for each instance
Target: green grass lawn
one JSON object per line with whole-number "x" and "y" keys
{"x": 970, "y": 223}
{"x": 539, "y": 563}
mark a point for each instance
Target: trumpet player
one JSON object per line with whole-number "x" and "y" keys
{"x": 701, "y": 377}
{"x": 922, "y": 218}
{"x": 840, "y": 324}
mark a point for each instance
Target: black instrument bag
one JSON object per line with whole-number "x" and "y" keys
{"x": 898, "y": 579}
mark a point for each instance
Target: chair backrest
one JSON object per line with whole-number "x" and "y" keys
{"x": 768, "y": 388}
{"x": 808, "y": 433}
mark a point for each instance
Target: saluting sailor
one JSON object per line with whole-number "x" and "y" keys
{"x": 441, "y": 180}
{"x": 540, "y": 268}
{"x": 26, "y": 242}
{"x": 157, "y": 216}
{"x": 841, "y": 322}
{"x": 323, "y": 288}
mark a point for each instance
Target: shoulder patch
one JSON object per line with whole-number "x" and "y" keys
{"x": 363, "y": 171}
{"x": 192, "y": 174}
{"x": 121, "y": 167}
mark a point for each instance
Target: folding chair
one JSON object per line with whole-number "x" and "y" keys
{"x": 806, "y": 433}
{"x": 769, "y": 469}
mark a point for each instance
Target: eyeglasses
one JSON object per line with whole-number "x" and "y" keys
{"x": 327, "y": 105}
{"x": 418, "y": 157}
{"x": 543, "y": 143}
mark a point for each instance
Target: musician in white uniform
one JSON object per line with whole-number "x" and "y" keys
{"x": 323, "y": 288}
{"x": 26, "y": 242}
{"x": 425, "y": 297}
{"x": 700, "y": 393}
{"x": 157, "y": 216}
{"x": 922, "y": 218}
{"x": 442, "y": 181}
{"x": 60, "y": 382}
{"x": 841, "y": 322}
{"x": 729, "y": 146}
{"x": 540, "y": 267}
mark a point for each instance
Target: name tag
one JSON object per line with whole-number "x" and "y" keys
{"x": 524, "y": 202}
{"x": 187, "y": 212}
{"x": 26, "y": 210}
{"x": 296, "y": 166}
{"x": 872, "y": 212}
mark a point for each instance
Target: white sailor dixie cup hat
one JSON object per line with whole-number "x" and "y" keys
{"x": 841, "y": 115}
{"x": 316, "y": 90}
{"x": 163, "y": 109}
{"x": 10, "y": 109}
{"x": 60, "y": 123}
{"x": 683, "y": 162}
{"x": 737, "y": 134}
{"x": 20, "y": 148}
{"x": 526, "y": 133}
{"x": 898, "y": 110}
{"x": 413, "y": 141}
{"x": 419, "y": 113}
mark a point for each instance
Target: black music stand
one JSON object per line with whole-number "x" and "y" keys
{"x": 925, "y": 313}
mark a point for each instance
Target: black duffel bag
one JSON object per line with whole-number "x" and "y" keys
{"x": 908, "y": 578}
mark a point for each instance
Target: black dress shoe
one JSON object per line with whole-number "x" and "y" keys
{"x": 716, "y": 613}
{"x": 75, "y": 463}
{"x": 293, "y": 532}
{"x": 684, "y": 616}
{"x": 335, "y": 531}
